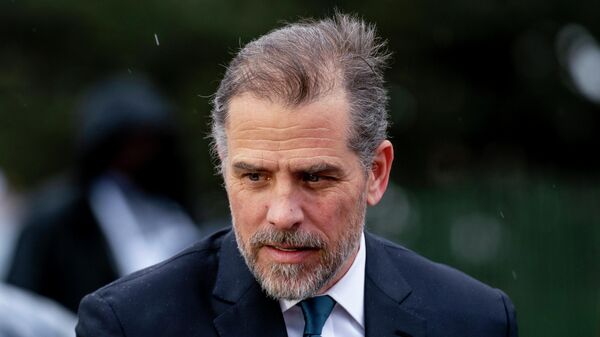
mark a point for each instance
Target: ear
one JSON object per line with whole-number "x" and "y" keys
{"x": 379, "y": 174}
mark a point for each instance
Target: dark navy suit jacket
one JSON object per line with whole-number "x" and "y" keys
{"x": 207, "y": 291}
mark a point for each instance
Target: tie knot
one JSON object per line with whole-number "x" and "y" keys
{"x": 315, "y": 311}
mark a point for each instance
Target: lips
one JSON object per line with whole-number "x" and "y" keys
{"x": 289, "y": 248}
{"x": 288, "y": 254}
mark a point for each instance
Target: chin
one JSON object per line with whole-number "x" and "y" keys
{"x": 293, "y": 281}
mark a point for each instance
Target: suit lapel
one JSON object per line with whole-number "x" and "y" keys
{"x": 385, "y": 295}
{"x": 253, "y": 315}
{"x": 242, "y": 307}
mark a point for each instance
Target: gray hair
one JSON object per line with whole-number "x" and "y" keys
{"x": 304, "y": 61}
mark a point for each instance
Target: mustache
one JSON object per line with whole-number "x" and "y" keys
{"x": 295, "y": 238}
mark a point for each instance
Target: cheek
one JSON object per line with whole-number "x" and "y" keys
{"x": 330, "y": 215}
{"x": 249, "y": 212}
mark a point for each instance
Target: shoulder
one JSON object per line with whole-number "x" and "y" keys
{"x": 446, "y": 297}
{"x": 422, "y": 272}
{"x": 179, "y": 288}
{"x": 415, "y": 267}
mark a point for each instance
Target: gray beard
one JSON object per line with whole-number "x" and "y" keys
{"x": 300, "y": 281}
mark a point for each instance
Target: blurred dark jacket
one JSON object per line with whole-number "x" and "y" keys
{"x": 61, "y": 252}
{"x": 125, "y": 130}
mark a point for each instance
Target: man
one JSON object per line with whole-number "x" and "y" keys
{"x": 299, "y": 125}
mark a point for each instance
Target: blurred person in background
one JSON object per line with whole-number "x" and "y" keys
{"x": 23, "y": 314}
{"x": 124, "y": 209}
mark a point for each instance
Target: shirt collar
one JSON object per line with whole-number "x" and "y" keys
{"x": 349, "y": 291}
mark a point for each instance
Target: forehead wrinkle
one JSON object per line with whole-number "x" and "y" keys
{"x": 286, "y": 154}
{"x": 282, "y": 122}
{"x": 280, "y": 134}
{"x": 288, "y": 128}
{"x": 288, "y": 145}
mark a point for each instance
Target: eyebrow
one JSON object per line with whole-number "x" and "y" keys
{"x": 321, "y": 167}
{"x": 315, "y": 168}
{"x": 242, "y": 165}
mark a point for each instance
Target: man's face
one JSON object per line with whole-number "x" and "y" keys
{"x": 297, "y": 193}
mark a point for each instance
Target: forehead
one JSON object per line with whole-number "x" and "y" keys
{"x": 255, "y": 123}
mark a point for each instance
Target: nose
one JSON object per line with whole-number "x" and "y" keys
{"x": 285, "y": 211}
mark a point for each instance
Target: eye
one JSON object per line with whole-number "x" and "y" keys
{"x": 312, "y": 178}
{"x": 253, "y": 176}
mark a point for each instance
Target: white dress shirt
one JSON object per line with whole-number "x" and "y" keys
{"x": 348, "y": 316}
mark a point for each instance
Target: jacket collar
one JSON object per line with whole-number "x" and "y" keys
{"x": 234, "y": 278}
{"x": 386, "y": 292}
{"x": 243, "y": 308}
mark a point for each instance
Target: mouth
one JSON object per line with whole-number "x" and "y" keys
{"x": 286, "y": 248}
{"x": 288, "y": 254}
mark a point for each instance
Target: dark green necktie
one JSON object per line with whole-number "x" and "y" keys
{"x": 315, "y": 311}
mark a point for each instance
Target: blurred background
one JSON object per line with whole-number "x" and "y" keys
{"x": 495, "y": 108}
